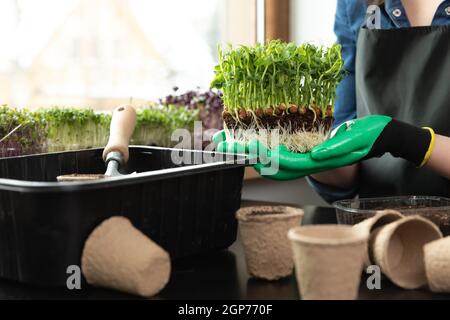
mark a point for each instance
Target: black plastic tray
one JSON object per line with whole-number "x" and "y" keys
{"x": 187, "y": 209}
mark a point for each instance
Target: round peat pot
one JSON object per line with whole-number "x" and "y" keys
{"x": 116, "y": 255}
{"x": 263, "y": 232}
{"x": 328, "y": 260}
{"x": 437, "y": 265}
{"x": 398, "y": 249}
{"x": 371, "y": 224}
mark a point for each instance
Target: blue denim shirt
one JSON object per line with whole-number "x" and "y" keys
{"x": 350, "y": 17}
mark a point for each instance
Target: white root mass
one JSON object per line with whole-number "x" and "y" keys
{"x": 300, "y": 141}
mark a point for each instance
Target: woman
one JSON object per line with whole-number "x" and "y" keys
{"x": 398, "y": 88}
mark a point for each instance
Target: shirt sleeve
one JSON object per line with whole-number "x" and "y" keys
{"x": 331, "y": 194}
{"x": 345, "y": 104}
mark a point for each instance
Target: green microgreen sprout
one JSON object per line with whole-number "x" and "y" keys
{"x": 281, "y": 85}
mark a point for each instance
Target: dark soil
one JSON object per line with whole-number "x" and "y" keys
{"x": 303, "y": 119}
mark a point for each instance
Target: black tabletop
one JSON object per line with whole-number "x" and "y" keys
{"x": 218, "y": 275}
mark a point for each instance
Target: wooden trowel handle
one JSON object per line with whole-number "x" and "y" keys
{"x": 122, "y": 127}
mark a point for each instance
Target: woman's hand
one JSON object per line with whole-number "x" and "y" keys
{"x": 375, "y": 135}
{"x": 279, "y": 163}
{"x": 350, "y": 143}
{"x": 440, "y": 157}
{"x": 234, "y": 147}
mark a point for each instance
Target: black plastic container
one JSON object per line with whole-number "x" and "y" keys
{"x": 187, "y": 209}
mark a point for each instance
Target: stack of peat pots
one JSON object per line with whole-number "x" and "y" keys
{"x": 329, "y": 259}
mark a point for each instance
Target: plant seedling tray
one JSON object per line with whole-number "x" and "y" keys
{"x": 435, "y": 209}
{"x": 187, "y": 209}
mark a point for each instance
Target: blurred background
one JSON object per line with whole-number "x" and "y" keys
{"x": 100, "y": 53}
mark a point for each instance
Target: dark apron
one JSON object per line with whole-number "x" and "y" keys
{"x": 404, "y": 73}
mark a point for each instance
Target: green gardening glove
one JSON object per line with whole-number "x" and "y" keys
{"x": 349, "y": 143}
{"x": 373, "y": 136}
{"x": 352, "y": 142}
{"x": 280, "y": 163}
{"x": 294, "y": 165}
{"x": 226, "y": 147}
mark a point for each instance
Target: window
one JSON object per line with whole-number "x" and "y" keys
{"x": 100, "y": 53}
{"x": 312, "y": 21}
